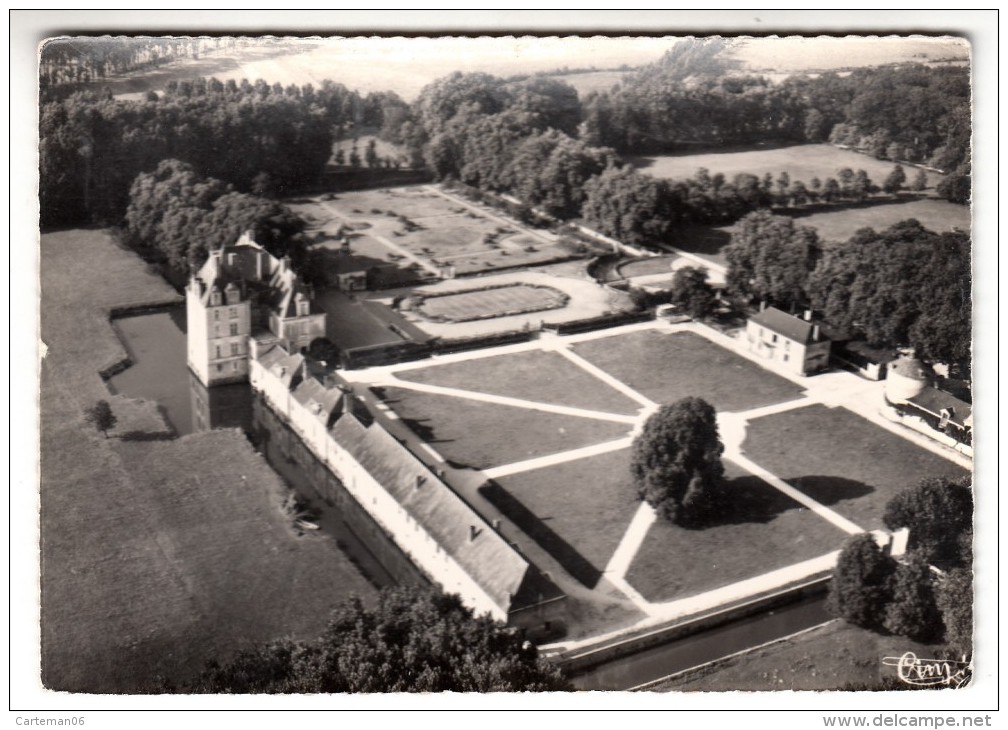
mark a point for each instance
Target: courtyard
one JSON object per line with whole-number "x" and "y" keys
{"x": 547, "y": 427}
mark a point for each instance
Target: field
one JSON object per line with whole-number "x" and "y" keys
{"x": 534, "y": 375}
{"x": 415, "y": 224}
{"x": 667, "y": 367}
{"x": 831, "y": 657}
{"x": 499, "y": 301}
{"x": 840, "y": 225}
{"x": 156, "y": 554}
{"x": 589, "y": 81}
{"x": 841, "y": 460}
{"x": 483, "y": 435}
{"x": 675, "y": 562}
{"x": 646, "y": 267}
{"x": 802, "y": 162}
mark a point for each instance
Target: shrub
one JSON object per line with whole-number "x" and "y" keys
{"x": 861, "y": 586}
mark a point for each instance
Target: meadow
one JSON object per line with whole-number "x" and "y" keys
{"x": 801, "y": 162}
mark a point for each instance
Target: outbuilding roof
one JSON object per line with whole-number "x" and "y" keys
{"x": 793, "y": 328}
{"x": 504, "y": 575}
{"x": 934, "y": 401}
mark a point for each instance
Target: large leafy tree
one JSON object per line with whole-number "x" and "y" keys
{"x": 955, "y": 601}
{"x": 939, "y": 514}
{"x": 771, "y": 257}
{"x": 100, "y": 416}
{"x": 413, "y": 640}
{"x": 912, "y": 611}
{"x": 862, "y": 582}
{"x": 676, "y": 461}
{"x": 691, "y": 290}
{"x": 628, "y": 206}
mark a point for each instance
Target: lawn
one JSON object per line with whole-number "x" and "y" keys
{"x": 840, "y": 225}
{"x": 498, "y": 301}
{"x": 482, "y": 435}
{"x": 764, "y": 530}
{"x": 156, "y": 555}
{"x": 533, "y": 375}
{"x": 646, "y": 267}
{"x": 667, "y": 367}
{"x": 841, "y": 460}
{"x": 830, "y": 657}
{"x": 801, "y": 162}
{"x": 585, "y": 506}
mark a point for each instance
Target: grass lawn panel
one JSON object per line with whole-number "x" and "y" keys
{"x": 646, "y": 267}
{"x": 481, "y": 435}
{"x": 830, "y": 657}
{"x": 841, "y": 460}
{"x": 492, "y": 302}
{"x": 667, "y": 367}
{"x": 765, "y": 530}
{"x": 534, "y": 375}
{"x": 588, "y": 503}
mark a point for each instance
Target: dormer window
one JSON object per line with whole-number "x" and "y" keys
{"x": 215, "y": 297}
{"x": 302, "y": 305}
{"x": 233, "y": 293}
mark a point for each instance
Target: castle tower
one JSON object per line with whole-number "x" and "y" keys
{"x": 218, "y": 321}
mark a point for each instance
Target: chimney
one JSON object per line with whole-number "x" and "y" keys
{"x": 232, "y": 258}
{"x": 473, "y": 532}
{"x": 259, "y": 259}
{"x": 420, "y": 479}
{"x": 762, "y": 305}
{"x": 496, "y": 524}
{"x": 808, "y": 315}
{"x": 815, "y": 333}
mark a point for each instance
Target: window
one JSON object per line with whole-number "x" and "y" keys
{"x": 234, "y": 328}
{"x": 235, "y": 348}
{"x": 216, "y": 314}
{"x": 233, "y": 312}
{"x": 217, "y": 347}
{"x": 774, "y": 338}
{"x": 785, "y": 358}
{"x": 219, "y": 367}
{"x": 234, "y": 365}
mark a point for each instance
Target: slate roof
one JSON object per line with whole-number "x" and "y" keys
{"x": 277, "y": 361}
{"x": 793, "y": 328}
{"x": 505, "y": 576}
{"x": 933, "y": 401}
{"x": 322, "y": 401}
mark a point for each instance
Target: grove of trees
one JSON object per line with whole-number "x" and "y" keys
{"x": 905, "y": 597}
{"x": 676, "y": 462}
{"x": 412, "y": 640}
{"x": 182, "y": 216}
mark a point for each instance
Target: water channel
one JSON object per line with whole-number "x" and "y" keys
{"x": 157, "y": 345}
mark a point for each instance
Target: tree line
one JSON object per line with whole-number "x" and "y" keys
{"x": 92, "y": 147}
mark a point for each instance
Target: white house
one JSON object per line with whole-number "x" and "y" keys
{"x": 794, "y": 343}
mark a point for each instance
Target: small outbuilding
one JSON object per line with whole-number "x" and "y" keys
{"x": 794, "y": 343}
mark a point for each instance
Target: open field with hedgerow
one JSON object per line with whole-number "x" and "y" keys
{"x": 156, "y": 553}
{"x": 802, "y": 162}
{"x": 414, "y": 224}
{"x": 841, "y": 460}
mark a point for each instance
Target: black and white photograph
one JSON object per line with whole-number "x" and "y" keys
{"x": 575, "y": 364}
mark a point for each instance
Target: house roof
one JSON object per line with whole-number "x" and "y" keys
{"x": 322, "y": 401}
{"x": 910, "y": 367}
{"x": 934, "y": 401}
{"x": 504, "y": 575}
{"x": 283, "y": 365}
{"x": 793, "y": 328}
